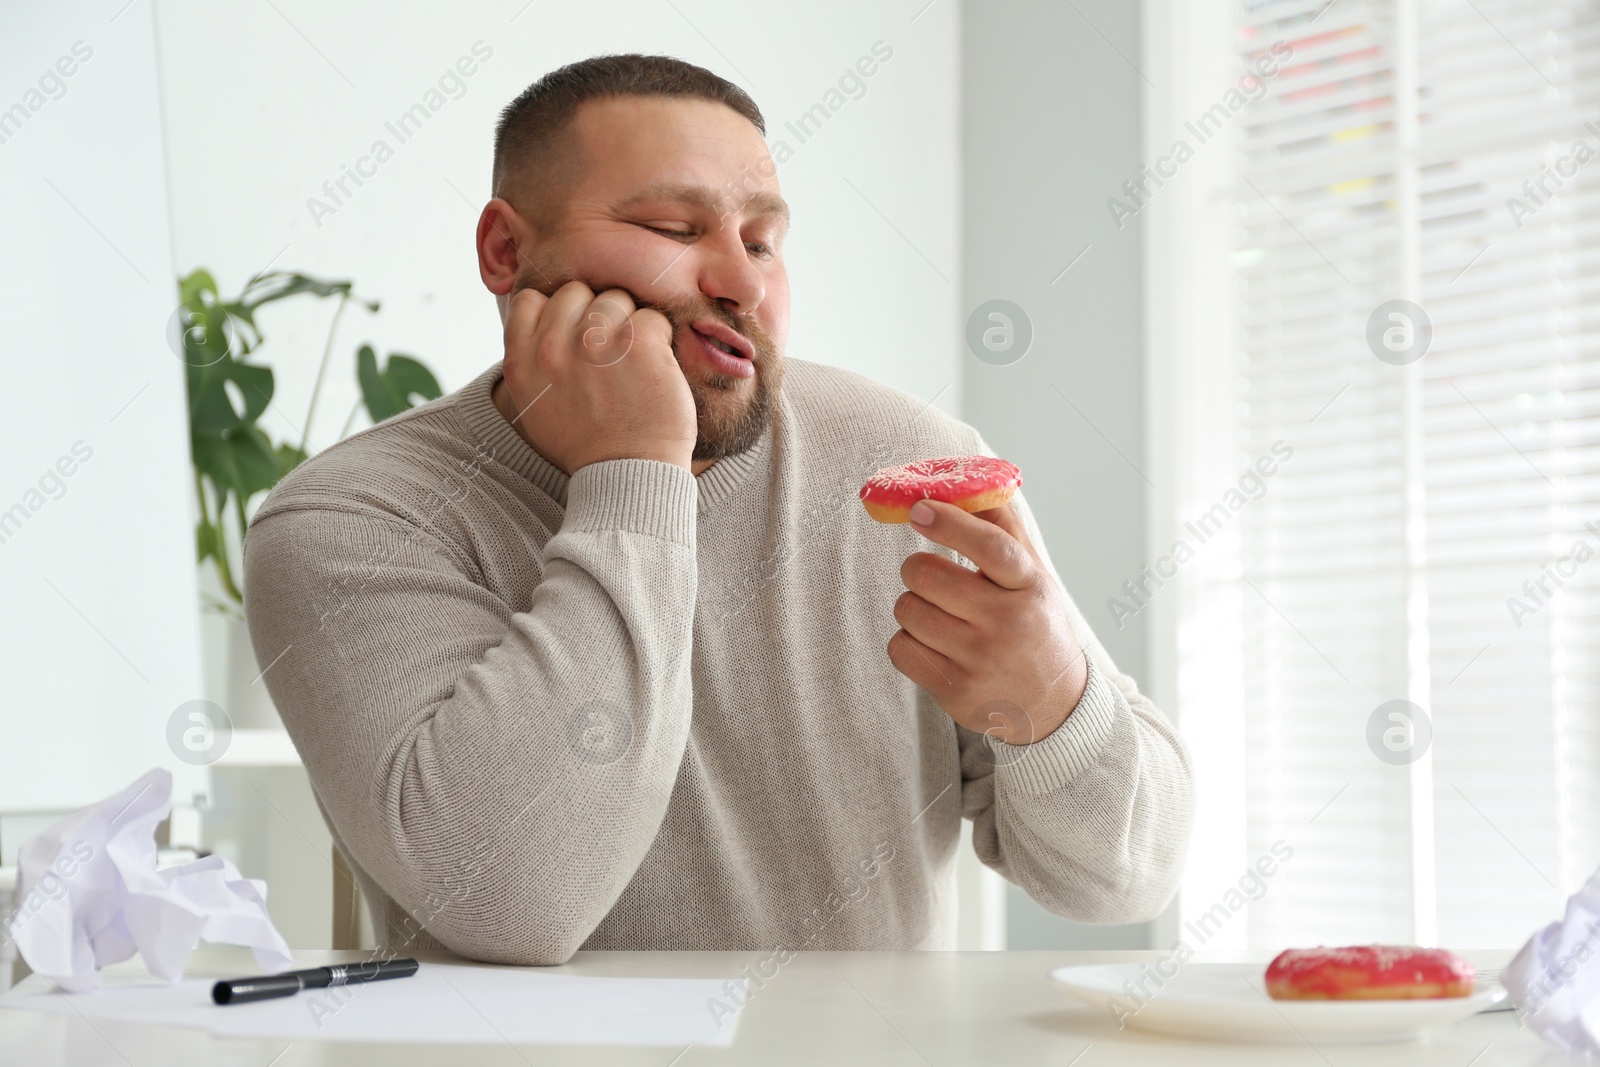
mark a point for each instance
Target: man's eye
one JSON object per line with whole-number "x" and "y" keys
{"x": 764, "y": 251}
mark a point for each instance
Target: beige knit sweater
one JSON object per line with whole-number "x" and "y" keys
{"x": 640, "y": 709}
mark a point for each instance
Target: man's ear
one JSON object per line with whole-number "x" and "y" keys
{"x": 502, "y": 233}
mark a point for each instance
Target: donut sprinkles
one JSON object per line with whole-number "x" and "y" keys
{"x": 972, "y": 483}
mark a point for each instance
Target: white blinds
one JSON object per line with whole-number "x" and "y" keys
{"x": 1378, "y": 166}
{"x": 1511, "y": 420}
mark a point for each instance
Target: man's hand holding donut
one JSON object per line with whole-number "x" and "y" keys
{"x": 615, "y": 390}
{"x": 993, "y": 645}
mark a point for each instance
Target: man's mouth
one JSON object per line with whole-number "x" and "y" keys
{"x": 723, "y": 337}
{"x": 723, "y": 350}
{"x": 724, "y": 346}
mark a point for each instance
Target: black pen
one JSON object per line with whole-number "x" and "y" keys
{"x": 266, "y": 986}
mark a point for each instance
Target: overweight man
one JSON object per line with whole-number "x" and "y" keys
{"x": 602, "y": 651}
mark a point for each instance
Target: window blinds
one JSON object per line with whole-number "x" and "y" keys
{"x": 1430, "y": 539}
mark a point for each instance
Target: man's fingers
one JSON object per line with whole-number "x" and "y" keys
{"x": 930, "y": 624}
{"x": 648, "y": 321}
{"x": 527, "y": 306}
{"x": 605, "y": 333}
{"x": 923, "y": 665}
{"x": 563, "y": 317}
{"x": 1008, "y": 519}
{"x": 1002, "y": 557}
{"x": 521, "y": 364}
{"x": 946, "y": 584}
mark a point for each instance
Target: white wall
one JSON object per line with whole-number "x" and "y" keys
{"x": 1053, "y": 97}
{"x": 97, "y": 637}
{"x": 266, "y": 102}
{"x": 1183, "y": 231}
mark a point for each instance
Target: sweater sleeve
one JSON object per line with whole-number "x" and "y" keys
{"x": 499, "y": 769}
{"x": 1093, "y": 820}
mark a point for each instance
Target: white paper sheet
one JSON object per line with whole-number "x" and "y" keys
{"x": 442, "y": 1002}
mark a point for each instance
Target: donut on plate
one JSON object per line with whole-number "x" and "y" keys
{"x": 1368, "y": 972}
{"x": 972, "y": 483}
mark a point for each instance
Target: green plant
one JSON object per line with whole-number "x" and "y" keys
{"x": 234, "y": 458}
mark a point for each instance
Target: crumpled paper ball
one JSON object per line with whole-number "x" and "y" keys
{"x": 89, "y": 895}
{"x": 1555, "y": 977}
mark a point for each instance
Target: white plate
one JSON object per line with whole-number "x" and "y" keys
{"x": 1229, "y": 1001}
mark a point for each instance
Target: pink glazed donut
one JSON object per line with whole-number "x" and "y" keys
{"x": 972, "y": 483}
{"x": 1368, "y": 972}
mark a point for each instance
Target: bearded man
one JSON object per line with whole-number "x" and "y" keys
{"x": 602, "y": 651}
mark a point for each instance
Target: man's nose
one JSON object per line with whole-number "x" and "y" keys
{"x": 728, "y": 275}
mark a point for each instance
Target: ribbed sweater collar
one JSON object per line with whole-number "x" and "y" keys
{"x": 475, "y": 404}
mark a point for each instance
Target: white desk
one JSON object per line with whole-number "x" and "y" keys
{"x": 886, "y": 1009}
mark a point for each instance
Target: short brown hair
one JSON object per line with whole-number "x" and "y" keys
{"x": 530, "y": 139}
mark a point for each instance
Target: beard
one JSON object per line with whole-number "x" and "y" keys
{"x": 727, "y": 423}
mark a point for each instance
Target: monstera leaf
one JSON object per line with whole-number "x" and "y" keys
{"x": 389, "y": 391}
{"x": 212, "y": 405}
{"x": 234, "y": 459}
{"x": 240, "y": 461}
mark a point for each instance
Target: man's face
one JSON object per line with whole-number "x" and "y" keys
{"x": 677, "y": 203}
